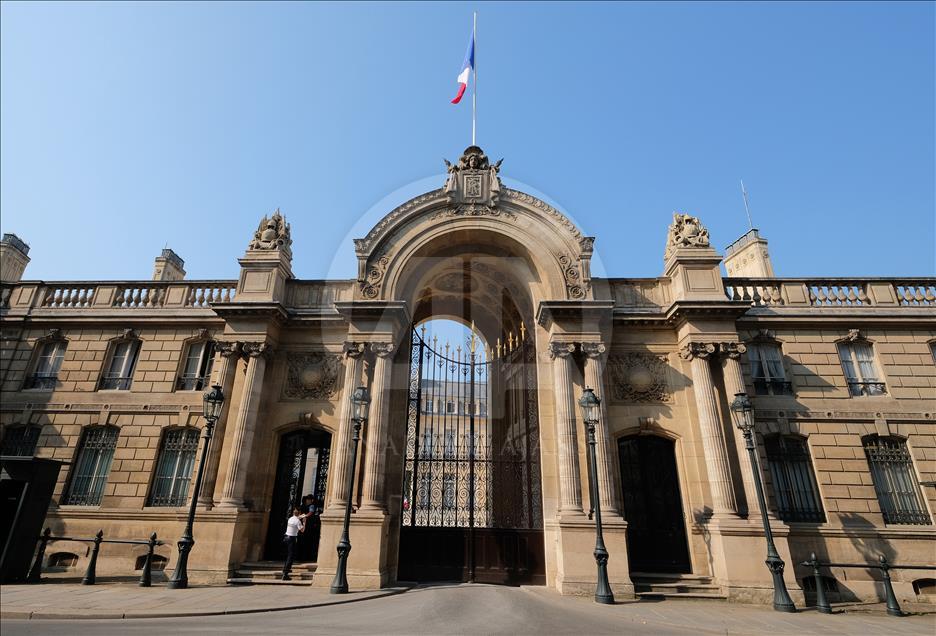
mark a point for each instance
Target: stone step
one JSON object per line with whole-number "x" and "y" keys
{"x": 665, "y": 585}
{"x": 677, "y": 588}
{"x": 273, "y": 574}
{"x": 276, "y": 565}
{"x": 236, "y": 580}
{"x": 682, "y": 595}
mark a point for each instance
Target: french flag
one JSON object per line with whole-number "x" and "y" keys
{"x": 467, "y": 68}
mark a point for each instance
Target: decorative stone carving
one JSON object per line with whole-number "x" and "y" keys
{"x": 697, "y": 350}
{"x": 593, "y": 349}
{"x": 128, "y": 334}
{"x": 228, "y": 349}
{"x": 382, "y": 349}
{"x": 576, "y": 288}
{"x": 353, "y": 349}
{"x": 733, "y": 350}
{"x": 560, "y": 350}
{"x": 257, "y": 349}
{"x": 370, "y": 287}
{"x": 272, "y": 234}
{"x": 54, "y": 334}
{"x": 639, "y": 377}
{"x": 855, "y": 335}
{"x": 685, "y": 231}
{"x": 473, "y": 183}
{"x": 312, "y": 375}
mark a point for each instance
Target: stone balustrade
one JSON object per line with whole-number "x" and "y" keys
{"x": 68, "y": 296}
{"x": 833, "y": 292}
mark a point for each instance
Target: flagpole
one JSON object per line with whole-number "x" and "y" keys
{"x": 474, "y": 93}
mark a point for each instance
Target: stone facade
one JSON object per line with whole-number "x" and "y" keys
{"x": 667, "y": 354}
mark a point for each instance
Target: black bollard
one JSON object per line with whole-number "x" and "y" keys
{"x": 146, "y": 579}
{"x": 35, "y": 573}
{"x": 893, "y": 607}
{"x": 822, "y": 603}
{"x": 91, "y": 574}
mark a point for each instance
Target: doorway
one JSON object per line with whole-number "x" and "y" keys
{"x": 656, "y": 527}
{"x": 301, "y": 469}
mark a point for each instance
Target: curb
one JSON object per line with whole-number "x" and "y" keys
{"x": 45, "y": 615}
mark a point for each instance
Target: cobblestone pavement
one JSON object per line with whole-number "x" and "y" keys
{"x": 454, "y": 609}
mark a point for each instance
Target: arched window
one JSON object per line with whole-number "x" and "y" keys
{"x": 794, "y": 484}
{"x": 20, "y": 440}
{"x": 121, "y": 361}
{"x": 895, "y": 481}
{"x": 196, "y": 371}
{"x": 174, "y": 467}
{"x": 95, "y": 453}
{"x": 861, "y": 371}
{"x": 45, "y": 367}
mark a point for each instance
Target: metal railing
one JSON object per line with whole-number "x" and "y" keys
{"x": 893, "y": 607}
{"x": 90, "y": 577}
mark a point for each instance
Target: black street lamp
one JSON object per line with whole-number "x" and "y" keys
{"x": 591, "y": 407}
{"x": 213, "y": 402}
{"x": 743, "y": 412}
{"x": 360, "y": 402}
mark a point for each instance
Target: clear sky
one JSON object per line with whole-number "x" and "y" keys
{"x": 126, "y": 127}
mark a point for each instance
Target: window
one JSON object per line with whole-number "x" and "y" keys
{"x": 174, "y": 467}
{"x": 794, "y": 483}
{"x": 48, "y": 362}
{"x": 767, "y": 370}
{"x": 119, "y": 370}
{"x": 429, "y": 404}
{"x": 895, "y": 482}
{"x": 450, "y": 407}
{"x": 197, "y": 370}
{"x": 20, "y": 441}
{"x": 95, "y": 453}
{"x": 860, "y": 370}
{"x": 933, "y": 350}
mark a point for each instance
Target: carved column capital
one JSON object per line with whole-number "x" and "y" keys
{"x": 593, "y": 349}
{"x": 733, "y": 350}
{"x": 228, "y": 349}
{"x": 353, "y": 349}
{"x": 257, "y": 350}
{"x": 382, "y": 349}
{"x": 700, "y": 350}
{"x": 560, "y": 349}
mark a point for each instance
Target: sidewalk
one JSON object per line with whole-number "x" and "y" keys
{"x": 127, "y": 600}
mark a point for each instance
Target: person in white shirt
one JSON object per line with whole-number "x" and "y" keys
{"x": 294, "y": 525}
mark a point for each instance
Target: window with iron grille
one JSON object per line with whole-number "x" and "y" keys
{"x": 118, "y": 373}
{"x": 44, "y": 376}
{"x": 174, "y": 467}
{"x": 95, "y": 453}
{"x": 895, "y": 481}
{"x": 767, "y": 370}
{"x": 197, "y": 369}
{"x": 20, "y": 441}
{"x": 794, "y": 483}
{"x": 860, "y": 370}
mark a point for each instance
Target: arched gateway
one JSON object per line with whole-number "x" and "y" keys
{"x": 462, "y": 481}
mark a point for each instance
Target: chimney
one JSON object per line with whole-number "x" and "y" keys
{"x": 748, "y": 257}
{"x": 13, "y": 258}
{"x": 168, "y": 266}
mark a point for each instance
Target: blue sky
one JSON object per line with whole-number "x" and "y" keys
{"x": 129, "y": 126}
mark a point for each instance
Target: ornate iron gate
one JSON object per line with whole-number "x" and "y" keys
{"x": 472, "y": 501}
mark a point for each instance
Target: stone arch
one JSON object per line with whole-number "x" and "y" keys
{"x": 486, "y": 216}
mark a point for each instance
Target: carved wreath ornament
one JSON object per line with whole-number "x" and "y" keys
{"x": 638, "y": 377}
{"x": 311, "y": 375}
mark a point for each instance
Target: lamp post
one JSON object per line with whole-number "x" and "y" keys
{"x": 590, "y": 409}
{"x": 213, "y": 402}
{"x": 743, "y": 412}
{"x": 360, "y": 402}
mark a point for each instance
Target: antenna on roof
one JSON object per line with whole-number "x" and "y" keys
{"x": 747, "y": 208}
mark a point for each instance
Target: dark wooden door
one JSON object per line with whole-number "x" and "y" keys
{"x": 656, "y": 527}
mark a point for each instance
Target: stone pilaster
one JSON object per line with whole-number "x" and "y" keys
{"x": 234, "y": 484}
{"x": 570, "y": 486}
{"x": 341, "y": 458}
{"x": 371, "y": 495}
{"x": 734, "y": 383}
{"x": 229, "y": 354}
{"x": 594, "y": 378}
{"x": 713, "y": 438}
